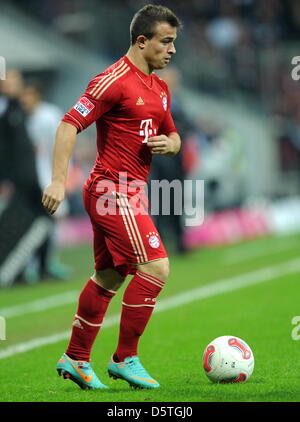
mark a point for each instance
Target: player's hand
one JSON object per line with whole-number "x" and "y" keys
{"x": 161, "y": 145}
{"x": 52, "y": 197}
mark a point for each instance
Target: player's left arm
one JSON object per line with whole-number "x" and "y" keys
{"x": 165, "y": 145}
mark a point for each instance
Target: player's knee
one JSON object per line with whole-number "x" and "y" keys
{"x": 159, "y": 268}
{"x": 109, "y": 279}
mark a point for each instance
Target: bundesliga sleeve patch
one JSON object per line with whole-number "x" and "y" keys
{"x": 84, "y": 106}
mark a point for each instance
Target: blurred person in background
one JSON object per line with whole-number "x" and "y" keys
{"x": 221, "y": 164}
{"x": 18, "y": 176}
{"x": 171, "y": 226}
{"x": 41, "y": 122}
{"x": 131, "y": 108}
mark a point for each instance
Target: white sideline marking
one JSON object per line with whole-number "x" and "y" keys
{"x": 44, "y": 341}
{"x": 213, "y": 289}
{"x": 234, "y": 256}
{"x": 40, "y": 304}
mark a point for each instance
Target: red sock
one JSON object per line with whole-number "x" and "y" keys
{"x": 92, "y": 305}
{"x": 138, "y": 304}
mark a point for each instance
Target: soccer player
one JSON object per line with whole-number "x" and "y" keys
{"x": 131, "y": 108}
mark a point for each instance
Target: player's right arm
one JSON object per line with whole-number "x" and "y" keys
{"x": 64, "y": 144}
{"x": 100, "y": 96}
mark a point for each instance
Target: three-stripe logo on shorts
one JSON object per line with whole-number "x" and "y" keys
{"x": 131, "y": 227}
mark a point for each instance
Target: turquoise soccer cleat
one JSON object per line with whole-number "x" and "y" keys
{"x": 80, "y": 372}
{"x": 132, "y": 371}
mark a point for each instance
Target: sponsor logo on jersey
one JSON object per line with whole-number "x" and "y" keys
{"x": 84, "y": 106}
{"x": 147, "y": 130}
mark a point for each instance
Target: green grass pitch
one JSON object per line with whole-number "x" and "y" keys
{"x": 172, "y": 346}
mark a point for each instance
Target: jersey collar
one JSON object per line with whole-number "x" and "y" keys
{"x": 146, "y": 78}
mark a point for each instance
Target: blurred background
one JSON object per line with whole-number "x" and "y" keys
{"x": 235, "y": 105}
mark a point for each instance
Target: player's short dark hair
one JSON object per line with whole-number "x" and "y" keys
{"x": 145, "y": 20}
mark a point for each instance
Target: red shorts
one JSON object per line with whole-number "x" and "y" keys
{"x": 123, "y": 237}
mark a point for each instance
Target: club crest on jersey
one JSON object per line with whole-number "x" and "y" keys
{"x": 84, "y": 106}
{"x": 164, "y": 99}
{"x": 153, "y": 239}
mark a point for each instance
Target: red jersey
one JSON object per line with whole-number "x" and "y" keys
{"x": 128, "y": 107}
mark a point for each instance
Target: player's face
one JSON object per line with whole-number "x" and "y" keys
{"x": 160, "y": 48}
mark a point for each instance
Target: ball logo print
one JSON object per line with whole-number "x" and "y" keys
{"x": 228, "y": 359}
{"x": 233, "y": 342}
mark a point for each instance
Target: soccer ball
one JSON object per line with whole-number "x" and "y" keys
{"x": 228, "y": 359}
